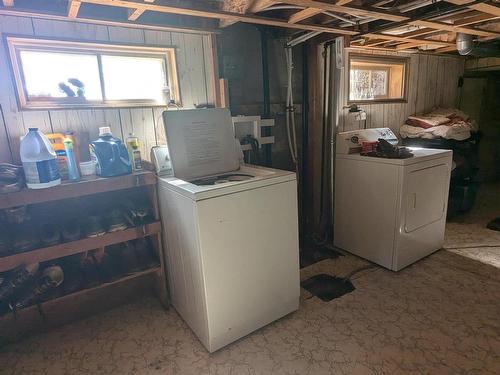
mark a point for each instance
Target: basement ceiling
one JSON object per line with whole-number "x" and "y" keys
{"x": 370, "y": 24}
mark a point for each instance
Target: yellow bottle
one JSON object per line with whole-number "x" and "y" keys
{"x": 133, "y": 152}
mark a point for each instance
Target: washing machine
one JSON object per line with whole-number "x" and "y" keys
{"x": 230, "y": 231}
{"x": 389, "y": 211}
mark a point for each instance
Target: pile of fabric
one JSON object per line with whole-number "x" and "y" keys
{"x": 448, "y": 123}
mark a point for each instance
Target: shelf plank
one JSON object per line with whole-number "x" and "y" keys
{"x": 79, "y": 246}
{"x": 68, "y": 308}
{"x": 86, "y": 186}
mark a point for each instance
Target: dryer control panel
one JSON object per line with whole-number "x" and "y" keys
{"x": 351, "y": 142}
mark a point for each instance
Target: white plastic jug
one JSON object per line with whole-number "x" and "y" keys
{"x": 39, "y": 161}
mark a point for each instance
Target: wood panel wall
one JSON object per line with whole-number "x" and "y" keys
{"x": 195, "y": 64}
{"x": 432, "y": 81}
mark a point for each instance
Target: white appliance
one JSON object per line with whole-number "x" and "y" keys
{"x": 389, "y": 211}
{"x": 231, "y": 231}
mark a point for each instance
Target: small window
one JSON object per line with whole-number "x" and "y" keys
{"x": 59, "y": 74}
{"x": 377, "y": 79}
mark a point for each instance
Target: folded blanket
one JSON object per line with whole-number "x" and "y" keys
{"x": 458, "y": 131}
{"x": 426, "y": 121}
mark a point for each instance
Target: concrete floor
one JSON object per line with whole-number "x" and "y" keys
{"x": 438, "y": 316}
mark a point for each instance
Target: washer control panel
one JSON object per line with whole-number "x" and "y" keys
{"x": 351, "y": 142}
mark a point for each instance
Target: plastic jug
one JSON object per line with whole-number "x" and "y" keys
{"x": 39, "y": 161}
{"x": 110, "y": 154}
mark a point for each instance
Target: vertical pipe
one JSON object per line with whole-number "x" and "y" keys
{"x": 266, "y": 112}
{"x": 305, "y": 136}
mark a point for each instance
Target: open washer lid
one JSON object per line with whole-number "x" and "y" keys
{"x": 201, "y": 142}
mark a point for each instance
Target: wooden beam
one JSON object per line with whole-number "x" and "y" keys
{"x": 482, "y": 7}
{"x": 352, "y": 10}
{"x": 221, "y": 15}
{"x": 475, "y": 19}
{"x": 259, "y": 5}
{"x": 447, "y": 49}
{"x": 8, "y": 3}
{"x": 252, "y": 6}
{"x": 93, "y": 21}
{"x": 412, "y": 45}
{"x": 406, "y": 39}
{"x": 303, "y": 15}
{"x": 457, "y": 29}
{"x": 135, "y": 14}
{"x": 73, "y": 8}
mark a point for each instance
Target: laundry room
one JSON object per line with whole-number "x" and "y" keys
{"x": 249, "y": 187}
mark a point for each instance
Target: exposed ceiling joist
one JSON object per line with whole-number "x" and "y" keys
{"x": 475, "y": 19}
{"x": 352, "y": 10}
{"x": 412, "y": 45}
{"x": 406, "y": 39}
{"x": 221, "y": 15}
{"x": 259, "y": 5}
{"x": 304, "y": 14}
{"x": 73, "y": 8}
{"x": 252, "y": 6}
{"x": 135, "y": 14}
{"x": 8, "y": 3}
{"x": 482, "y": 7}
{"x": 94, "y": 21}
{"x": 453, "y": 28}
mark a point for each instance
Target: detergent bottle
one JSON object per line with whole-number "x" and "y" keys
{"x": 57, "y": 142}
{"x": 73, "y": 173}
{"x": 110, "y": 154}
{"x": 39, "y": 161}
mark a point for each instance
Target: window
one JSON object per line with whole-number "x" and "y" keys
{"x": 377, "y": 78}
{"x": 59, "y": 74}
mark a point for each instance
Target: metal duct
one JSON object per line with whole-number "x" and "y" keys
{"x": 465, "y": 43}
{"x": 467, "y": 46}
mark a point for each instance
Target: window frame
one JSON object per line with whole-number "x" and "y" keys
{"x": 15, "y": 44}
{"x": 380, "y": 59}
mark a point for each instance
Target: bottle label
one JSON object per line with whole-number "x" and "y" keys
{"x": 137, "y": 160}
{"x": 40, "y": 172}
{"x": 62, "y": 161}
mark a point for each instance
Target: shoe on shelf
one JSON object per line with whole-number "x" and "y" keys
{"x": 17, "y": 278}
{"x": 51, "y": 278}
{"x": 25, "y": 238}
{"x": 4, "y": 243}
{"x": 49, "y": 234}
{"x": 127, "y": 257}
{"x": 109, "y": 268}
{"x": 16, "y": 215}
{"x": 71, "y": 230}
{"x": 90, "y": 272}
{"x": 11, "y": 178}
{"x": 73, "y": 274}
{"x": 116, "y": 221}
{"x": 93, "y": 226}
{"x": 138, "y": 211}
{"x": 146, "y": 255}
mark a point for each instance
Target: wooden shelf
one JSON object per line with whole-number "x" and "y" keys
{"x": 74, "y": 306}
{"x": 79, "y": 246}
{"x": 86, "y": 186}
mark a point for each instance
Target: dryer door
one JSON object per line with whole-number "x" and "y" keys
{"x": 426, "y": 195}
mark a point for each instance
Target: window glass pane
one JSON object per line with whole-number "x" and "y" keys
{"x": 61, "y": 75}
{"x": 373, "y": 78}
{"x": 130, "y": 77}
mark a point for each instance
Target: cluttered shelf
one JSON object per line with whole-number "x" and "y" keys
{"x": 86, "y": 186}
{"x": 79, "y": 246}
{"x": 68, "y": 307}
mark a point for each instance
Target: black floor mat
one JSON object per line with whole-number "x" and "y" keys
{"x": 494, "y": 224}
{"x": 314, "y": 254}
{"x": 327, "y": 287}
